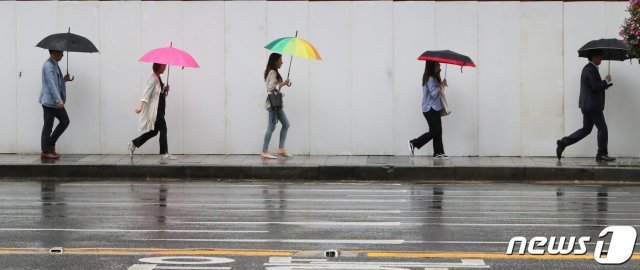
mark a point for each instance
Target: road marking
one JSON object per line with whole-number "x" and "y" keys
{"x": 186, "y": 260}
{"x": 306, "y": 241}
{"x": 142, "y": 267}
{"x": 636, "y": 256}
{"x": 510, "y": 218}
{"x": 320, "y": 223}
{"x": 291, "y": 263}
{"x": 191, "y": 268}
{"x": 447, "y": 196}
{"x": 123, "y": 230}
{"x": 290, "y": 253}
{"x": 475, "y": 242}
{"x": 150, "y": 251}
{"x": 511, "y": 225}
{"x": 554, "y": 212}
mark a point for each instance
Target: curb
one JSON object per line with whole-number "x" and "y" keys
{"x": 339, "y": 172}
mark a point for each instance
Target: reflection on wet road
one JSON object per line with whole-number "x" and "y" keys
{"x": 284, "y": 225}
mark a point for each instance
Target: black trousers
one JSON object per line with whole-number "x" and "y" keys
{"x": 435, "y": 133}
{"x": 159, "y": 126}
{"x": 590, "y": 118}
{"x": 47, "y": 139}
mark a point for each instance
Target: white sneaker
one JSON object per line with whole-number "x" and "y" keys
{"x": 441, "y": 157}
{"x": 168, "y": 157}
{"x": 131, "y": 148}
{"x": 411, "y": 148}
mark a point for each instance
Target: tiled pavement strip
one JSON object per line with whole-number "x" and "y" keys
{"x": 203, "y": 167}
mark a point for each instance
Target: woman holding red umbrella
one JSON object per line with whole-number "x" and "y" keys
{"x": 432, "y": 87}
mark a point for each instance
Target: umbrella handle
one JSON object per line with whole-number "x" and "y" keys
{"x": 609, "y": 68}
{"x": 168, "y": 71}
{"x": 445, "y": 70}
{"x": 70, "y": 77}
{"x": 291, "y": 60}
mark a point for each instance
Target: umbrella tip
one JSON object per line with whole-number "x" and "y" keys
{"x": 171, "y": 44}
{"x": 69, "y": 29}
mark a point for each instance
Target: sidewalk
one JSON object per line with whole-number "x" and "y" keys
{"x": 214, "y": 167}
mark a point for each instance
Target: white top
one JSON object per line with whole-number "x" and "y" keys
{"x": 271, "y": 83}
{"x": 150, "y": 97}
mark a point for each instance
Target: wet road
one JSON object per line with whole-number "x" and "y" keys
{"x": 289, "y": 225}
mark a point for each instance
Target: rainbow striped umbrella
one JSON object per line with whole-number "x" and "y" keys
{"x": 293, "y": 46}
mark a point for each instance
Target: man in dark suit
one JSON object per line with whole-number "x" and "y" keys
{"x": 592, "y": 90}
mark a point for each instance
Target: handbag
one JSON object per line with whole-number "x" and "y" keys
{"x": 275, "y": 100}
{"x": 445, "y": 106}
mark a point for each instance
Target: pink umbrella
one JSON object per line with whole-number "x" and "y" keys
{"x": 169, "y": 56}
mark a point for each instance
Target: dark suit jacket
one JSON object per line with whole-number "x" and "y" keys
{"x": 592, "y": 88}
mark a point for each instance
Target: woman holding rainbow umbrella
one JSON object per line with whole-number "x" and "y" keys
{"x": 274, "y": 83}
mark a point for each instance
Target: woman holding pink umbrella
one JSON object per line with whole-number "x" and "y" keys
{"x": 152, "y": 104}
{"x": 151, "y": 109}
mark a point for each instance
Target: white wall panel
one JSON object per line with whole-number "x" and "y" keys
{"x": 542, "y": 77}
{"x": 83, "y": 99}
{"x": 621, "y": 109}
{"x": 364, "y": 97}
{"x": 34, "y": 21}
{"x": 297, "y": 96}
{"x": 372, "y": 75}
{"x": 413, "y": 33}
{"x": 330, "y": 80}
{"x": 499, "y": 78}
{"x": 161, "y": 24}
{"x": 8, "y": 77}
{"x": 121, "y": 80}
{"x": 583, "y": 22}
{"x": 204, "y": 91}
{"x": 457, "y": 30}
{"x": 245, "y": 37}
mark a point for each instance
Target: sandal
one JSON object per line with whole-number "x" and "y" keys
{"x": 268, "y": 156}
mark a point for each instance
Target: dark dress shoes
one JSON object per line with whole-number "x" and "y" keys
{"x": 44, "y": 155}
{"x": 559, "y": 149}
{"x": 605, "y": 158}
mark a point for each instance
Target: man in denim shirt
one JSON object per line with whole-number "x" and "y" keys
{"x": 52, "y": 97}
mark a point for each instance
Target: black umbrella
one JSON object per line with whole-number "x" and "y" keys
{"x": 67, "y": 42}
{"x": 611, "y": 49}
{"x": 447, "y": 57}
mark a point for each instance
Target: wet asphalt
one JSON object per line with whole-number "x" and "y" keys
{"x": 290, "y": 225}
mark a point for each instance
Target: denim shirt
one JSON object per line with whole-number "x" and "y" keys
{"x": 431, "y": 95}
{"x": 53, "y": 85}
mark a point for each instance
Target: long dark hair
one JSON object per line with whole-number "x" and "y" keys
{"x": 429, "y": 71}
{"x": 271, "y": 65}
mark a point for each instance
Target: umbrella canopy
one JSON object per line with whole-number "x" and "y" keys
{"x": 169, "y": 56}
{"x": 447, "y": 57}
{"x": 612, "y": 49}
{"x": 67, "y": 42}
{"x": 294, "y": 46}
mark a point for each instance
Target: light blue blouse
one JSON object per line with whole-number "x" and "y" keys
{"x": 431, "y": 95}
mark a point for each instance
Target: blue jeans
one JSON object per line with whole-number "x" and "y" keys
{"x": 274, "y": 117}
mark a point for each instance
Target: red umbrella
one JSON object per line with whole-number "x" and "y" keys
{"x": 447, "y": 57}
